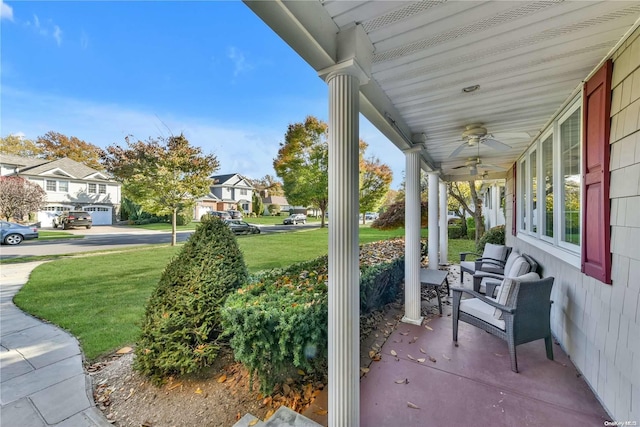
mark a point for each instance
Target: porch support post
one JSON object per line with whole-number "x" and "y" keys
{"x": 434, "y": 234}
{"x": 444, "y": 225}
{"x": 344, "y": 295}
{"x": 412, "y": 226}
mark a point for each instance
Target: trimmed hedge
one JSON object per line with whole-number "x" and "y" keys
{"x": 455, "y": 232}
{"x": 495, "y": 235}
{"x": 279, "y": 322}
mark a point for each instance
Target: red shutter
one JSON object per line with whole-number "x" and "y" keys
{"x": 514, "y": 215}
{"x": 596, "y": 238}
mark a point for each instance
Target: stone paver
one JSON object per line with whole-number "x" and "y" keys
{"x": 42, "y": 380}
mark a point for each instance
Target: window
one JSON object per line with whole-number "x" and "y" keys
{"x": 51, "y": 185}
{"x": 63, "y": 186}
{"x": 243, "y": 191}
{"x": 549, "y": 183}
{"x": 570, "y": 175}
{"x": 547, "y": 191}
{"x": 92, "y": 188}
{"x": 102, "y": 188}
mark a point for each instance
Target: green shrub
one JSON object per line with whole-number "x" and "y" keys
{"x": 455, "y": 232}
{"x": 471, "y": 222}
{"x": 279, "y": 322}
{"x": 471, "y": 233}
{"x": 182, "y": 318}
{"x": 184, "y": 218}
{"x": 495, "y": 235}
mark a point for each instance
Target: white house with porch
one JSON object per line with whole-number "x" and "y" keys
{"x": 69, "y": 185}
{"x": 543, "y": 94}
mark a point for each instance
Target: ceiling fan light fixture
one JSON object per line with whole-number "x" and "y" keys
{"x": 470, "y": 89}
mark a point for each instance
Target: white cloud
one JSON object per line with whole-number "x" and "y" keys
{"x": 239, "y": 62}
{"x": 6, "y": 11}
{"x": 57, "y": 34}
{"x": 48, "y": 29}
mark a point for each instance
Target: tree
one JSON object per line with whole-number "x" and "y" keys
{"x": 19, "y": 146}
{"x": 375, "y": 180}
{"x": 256, "y": 204}
{"x": 393, "y": 217}
{"x": 303, "y": 165}
{"x": 54, "y": 145}
{"x": 458, "y": 192}
{"x": 164, "y": 176}
{"x": 19, "y": 197}
{"x": 269, "y": 183}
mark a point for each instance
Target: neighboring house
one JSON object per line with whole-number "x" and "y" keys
{"x": 69, "y": 185}
{"x": 493, "y": 194}
{"x": 275, "y": 200}
{"x": 227, "y": 192}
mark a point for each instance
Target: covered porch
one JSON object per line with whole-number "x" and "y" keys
{"x": 487, "y": 90}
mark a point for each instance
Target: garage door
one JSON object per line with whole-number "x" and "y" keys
{"x": 46, "y": 215}
{"x": 100, "y": 215}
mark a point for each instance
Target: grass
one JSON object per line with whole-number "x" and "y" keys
{"x": 101, "y": 299}
{"x": 52, "y": 235}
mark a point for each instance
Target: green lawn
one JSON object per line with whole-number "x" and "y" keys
{"x": 101, "y": 299}
{"x": 52, "y": 235}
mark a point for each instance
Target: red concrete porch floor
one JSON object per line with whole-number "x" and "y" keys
{"x": 469, "y": 385}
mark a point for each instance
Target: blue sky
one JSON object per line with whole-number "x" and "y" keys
{"x": 211, "y": 70}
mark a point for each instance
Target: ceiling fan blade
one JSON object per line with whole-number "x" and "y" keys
{"x": 510, "y": 135}
{"x": 459, "y": 149}
{"x": 496, "y": 145}
{"x": 460, "y": 167}
{"x": 492, "y": 167}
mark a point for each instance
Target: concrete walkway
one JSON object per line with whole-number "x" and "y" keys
{"x": 42, "y": 380}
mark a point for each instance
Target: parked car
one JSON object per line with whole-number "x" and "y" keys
{"x": 241, "y": 227}
{"x": 220, "y": 214}
{"x": 69, "y": 219}
{"x": 13, "y": 234}
{"x": 295, "y": 219}
{"x": 235, "y": 214}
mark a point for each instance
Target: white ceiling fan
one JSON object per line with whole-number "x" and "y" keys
{"x": 473, "y": 164}
{"x": 476, "y": 134}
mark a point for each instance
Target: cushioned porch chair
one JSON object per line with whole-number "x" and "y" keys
{"x": 516, "y": 265}
{"x": 519, "y": 315}
{"x": 492, "y": 260}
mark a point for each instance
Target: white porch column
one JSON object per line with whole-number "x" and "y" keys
{"x": 344, "y": 273}
{"x": 444, "y": 226}
{"x": 434, "y": 234}
{"x": 412, "y": 226}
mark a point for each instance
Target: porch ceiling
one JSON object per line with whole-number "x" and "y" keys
{"x": 527, "y": 58}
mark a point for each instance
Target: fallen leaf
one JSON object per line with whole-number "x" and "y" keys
{"x": 404, "y": 333}
{"x": 364, "y": 370}
{"x": 445, "y": 356}
{"x": 175, "y": 386}
{"x": 254, "y": 422}
{"x": 301, "y": 372}
{"x": 498, "y": 354}
{"x": 433, "y": 359}
{"x": 222, "y": 378}
{"x": 412, "y": 405}
{"x": 410, "y": 357}
{"x": 372, "y": 354}
{"x": 393, "y": 353}
{"x": 286, "y": 389}
{"x": 198, "y": 391}
{"x": 413, "y": 340}
{"x": 321, "y": 412}
{"x": 124, "y": 350}
{"x": 268, "y": 414}
{"x": 402, "y": 381}
{"x": 428, "y": 327}
{"x": 422, "y": 360}
{"x": 422, "y": 351}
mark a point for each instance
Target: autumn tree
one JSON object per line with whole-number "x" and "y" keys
{"x": 19, "y": 197}
{"x": 375, "y": 180}
{"x": 303, "y": 165}
{"x": 54, "y": 145}
{"x": 394, "y": 217}
{"x": 269, "y": 183}
{"x": 458, "y": 190}
{"x": 19, "y": 146}
{"x": 165, "y": 176}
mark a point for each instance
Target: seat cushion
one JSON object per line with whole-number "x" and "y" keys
{"x": 481, "y": 310}
{"x": 508, "y": 286}
{"x": 494, "y": 251}
{"x": 514, "y": 255}
{"x": 519, "y": 267}
{"x": 468, "y": 266}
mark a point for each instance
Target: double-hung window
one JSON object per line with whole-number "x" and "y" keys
{"x": 549, "y": 183}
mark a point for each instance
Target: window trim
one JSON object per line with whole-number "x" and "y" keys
{"x": 95, "y": 189}
{"x": 542, "y": 191}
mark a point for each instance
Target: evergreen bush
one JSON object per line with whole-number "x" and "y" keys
{"x": 279, "y": 322}
{"x": 455, "y": 232}
{"x": 182, "y": 320}
{"x": 495, "y": 235}
{"x": 471, "y": 233}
